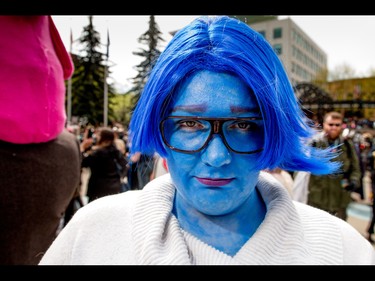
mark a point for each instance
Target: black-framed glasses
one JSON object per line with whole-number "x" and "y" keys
{"x": 244, "y": 135}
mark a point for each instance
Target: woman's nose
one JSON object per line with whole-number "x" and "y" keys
{"x": 216, "y": 154}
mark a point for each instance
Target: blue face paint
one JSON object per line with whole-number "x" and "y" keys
{"x": 215, "y": 180}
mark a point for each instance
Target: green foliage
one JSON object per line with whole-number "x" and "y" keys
{"x": 123, "y": 107}
{"x": 151, "y": 39}
{"x": 341, "y": 72}
{"x": 320, "y": 78}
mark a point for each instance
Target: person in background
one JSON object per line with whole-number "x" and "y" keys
{"x": 160, "y": 167}
{"x": 141, "y": 169}
{"x": 370, "y": 166}
{"x": 219, "y": 107}
{"x": 364, "y": 146}
{"x": 121, "y": 146}
{"x": 119, "y": 141}
{"x": 332, "y": 192}
{"x": 284, "y": 178}
{"x": 39, "y": 158}
{"x": 107, "y": 165}
{"x": 300, "y": 187}
{"x": 356, "y": 138}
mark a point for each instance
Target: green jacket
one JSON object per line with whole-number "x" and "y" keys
{"x": 325, "y": 191}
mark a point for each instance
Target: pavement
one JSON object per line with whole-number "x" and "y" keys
{"x": 360, "y": 210}
{"x": 359, "y": 216}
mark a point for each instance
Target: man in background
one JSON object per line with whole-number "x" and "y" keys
{"x": 332, "y": 193}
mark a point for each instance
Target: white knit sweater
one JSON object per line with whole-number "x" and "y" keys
{"x": 137, "y": 227}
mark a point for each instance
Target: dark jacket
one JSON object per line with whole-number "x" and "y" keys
{"x": 370, "y": 166}
{"x": 325, "y": 191}
{"x": 104, "y": 179}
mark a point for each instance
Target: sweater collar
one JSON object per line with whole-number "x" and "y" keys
{"x": 159, "y": 239}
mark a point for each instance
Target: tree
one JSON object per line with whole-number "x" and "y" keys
{"x": 151, "y": 38}
{"x": 123, "y": 107}
{"x": 88, "y": 79}
{"x": 341, "y": 72}
{"x": 320, "y": 78}
{"x": 371, "y": 72}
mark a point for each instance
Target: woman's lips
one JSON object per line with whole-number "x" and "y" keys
{"x": 214, "y": 182}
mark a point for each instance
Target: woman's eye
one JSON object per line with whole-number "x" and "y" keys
{"x": 190, "y": 123}
{"x": 244, "y": 126}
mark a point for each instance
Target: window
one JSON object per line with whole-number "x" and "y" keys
{"x": 263, "y": 33}
{"x": 278, "y": 49}
{"x": 277, "y": 33}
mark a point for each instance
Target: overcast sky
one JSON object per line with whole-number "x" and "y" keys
{"x": 345, "y": 39}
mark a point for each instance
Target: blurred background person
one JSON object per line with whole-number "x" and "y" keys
{"x": 160, "y": 167}
{"x": 141, "y": 169}
{"x": 356, "y": 136}
{"x": 119, "y": 139}
{"x": 370, "y": 166}
{"x": 39, "y": 158}
{"x": 284, "y": 178}
{"x": 332, "y": 193}
{"x": 103, "y": 161}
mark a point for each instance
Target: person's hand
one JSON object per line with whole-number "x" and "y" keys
{"x": 86, "y": 144}
{"x": 350, "y": 187}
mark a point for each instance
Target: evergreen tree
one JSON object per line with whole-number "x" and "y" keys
{"x": 88, "y": 79}
{"x": 151, "y": 39}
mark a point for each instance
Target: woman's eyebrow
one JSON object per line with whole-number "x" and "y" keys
{"x": 244, "y": 109}
{"x": 191, "y": 108}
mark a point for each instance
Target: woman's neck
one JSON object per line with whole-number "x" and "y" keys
{"x": 227, "y": 233}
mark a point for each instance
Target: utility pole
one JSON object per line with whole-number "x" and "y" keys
{"x": 105, "y": 112}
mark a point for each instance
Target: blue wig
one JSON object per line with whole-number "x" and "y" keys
{"x": 225, "y": 44}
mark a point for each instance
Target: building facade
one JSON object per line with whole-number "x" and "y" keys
{"x": 303, "y": 59}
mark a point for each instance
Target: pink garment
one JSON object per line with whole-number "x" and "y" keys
{"x": 34, "y": 64}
